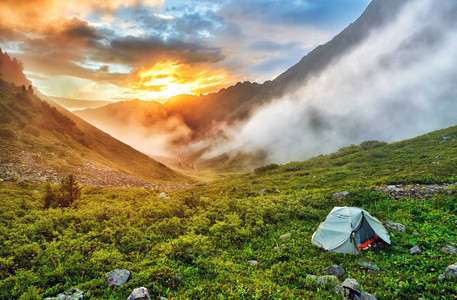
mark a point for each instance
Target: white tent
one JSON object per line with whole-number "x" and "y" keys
{"x": 347, "y": 228}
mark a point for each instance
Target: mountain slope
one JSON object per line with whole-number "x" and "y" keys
{"x": 205, "y": 117}
{"x": 377, "y": 79}
{"x": 39, "y": 143}
{"x": 72, "y": 104}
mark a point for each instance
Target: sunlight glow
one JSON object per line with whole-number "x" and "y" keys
{"x": 170, "y": 78}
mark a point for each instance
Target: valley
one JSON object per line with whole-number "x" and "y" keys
{"x": 184, "y": 178}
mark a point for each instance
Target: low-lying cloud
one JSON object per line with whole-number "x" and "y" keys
{"x": 397, "y": 84}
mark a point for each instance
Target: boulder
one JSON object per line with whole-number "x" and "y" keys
{"x": 369, "y": 266}
{"x": 341, "y": 196}
{"x": 326, "y": 279}
{"x": 163, "y": 195}
{"x": 264, "y": 191}
{"x": 73, "y": 294}
{"x": 334, "y": 270}
{"x": 117, "y": 277}
{"x": 140, "y": 293}
{"x": 394, "y": 226}
{"x": 450, "y": 271}
{"x": 350, "y": 289}
{"x": 286, "y": 236}
{"x": 253, "y": 262}
{"x": 450, "y": 249}
{"x": 415, "y": 250}
{"x": 351, "y": 283}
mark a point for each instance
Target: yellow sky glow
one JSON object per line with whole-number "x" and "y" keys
{"x": 170, "y": 78}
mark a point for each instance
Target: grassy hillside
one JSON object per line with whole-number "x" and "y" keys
{"x": 40, "y": 143}
{"x": 196, "y": 244}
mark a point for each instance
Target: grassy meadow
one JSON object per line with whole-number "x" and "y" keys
{"x": 196, "y": 243}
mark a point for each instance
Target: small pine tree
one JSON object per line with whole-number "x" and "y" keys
{"x": 49, "y": 198}
{"x": 69, "y": 191}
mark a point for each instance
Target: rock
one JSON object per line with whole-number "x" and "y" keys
{"x": 351, "y": 283}
{"x": 263, "y": 191}
{"x": 366, "y": 296}
{"x": 278, "y": 247}
{"x": 326, "y": 279}
{"x": 286, "y": 236}
{"x": 369, "y": 266}
{"x": 140, "y": 293}
{"x": 253, "y": 262}
{"x": 450, "y": 271}
{"x": 163, "y": 195}
{"x": 334, "y": 270}
{"x": 350, "y": 289}
{"x": 445, "y": 137}
{"x": 392, "y": 187}
{"x": 415, "y": 250}
{"x": 278, "y": 191}
{"x": 73, "y": 294}
{"x": 450, "y": 249}
{"x": 416, "y": 233}
{"x": 394, "y": 226}
{"x": 117, "y": 277}
{"x": 341, "y": 196}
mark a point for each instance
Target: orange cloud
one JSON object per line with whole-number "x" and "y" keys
{"x": 40, "y": 15}
{"x": 170, "y": 78}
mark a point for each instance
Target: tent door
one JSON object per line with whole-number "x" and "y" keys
{"x": 365, "y": 232}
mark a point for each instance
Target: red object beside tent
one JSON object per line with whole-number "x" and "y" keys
{"x": 368, "y": 242}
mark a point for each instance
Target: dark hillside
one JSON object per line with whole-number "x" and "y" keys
{"x": 40, "y": 143}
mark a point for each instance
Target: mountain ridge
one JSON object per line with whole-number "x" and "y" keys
{"x": 42, "y": 142}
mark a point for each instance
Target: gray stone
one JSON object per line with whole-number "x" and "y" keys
{"x": 278, "y": 247}
{"x": 253, "y": 262}
{"x": 140, "y": 293}
{"x": 450, "y": 271}
{"x": 163, "y": 195}
{"x": 366, "y": 296}
{"x": 117, "y": 277}
{"x": 286, "y": 236}
{"x": 326, "y": 279}
{"x": 351, "y": 283}
{"x": 369, "y": 266}
{"x": 450, "y": 249}
{"x": 73, "y": 294}
{"x": 350, "y": 289}
{"x": 341, "y": 196}
{"x": 334, "y": 270}
{"x": 394, "y": 226}
{"x": 415, "y": 250}
{"x": 263, "y": 191}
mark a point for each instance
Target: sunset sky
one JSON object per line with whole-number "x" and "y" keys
{"x": 154, "y": 49}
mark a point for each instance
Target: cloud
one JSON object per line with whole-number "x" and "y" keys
{"x": 41, "y": 15}
{"x": 397, "y": 84}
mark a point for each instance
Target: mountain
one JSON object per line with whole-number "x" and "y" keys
{"x": 378, "y": 79}
{"x": 73, "y": 104}
{"x": 40, "y": 142}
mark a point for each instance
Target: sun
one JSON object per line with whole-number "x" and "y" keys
{"x": 171, "y": 78}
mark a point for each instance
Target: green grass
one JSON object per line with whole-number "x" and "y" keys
{"x": 207, "y": 233}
